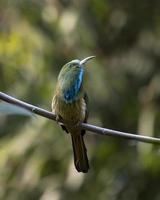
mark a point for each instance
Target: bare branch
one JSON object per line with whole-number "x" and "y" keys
{"x": 88, "y": 127}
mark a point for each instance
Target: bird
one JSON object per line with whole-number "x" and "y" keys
{"x": 70, "y": 104}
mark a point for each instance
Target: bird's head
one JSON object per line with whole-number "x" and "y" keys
{"x": 73, "y": 67}
{"x": 75, "y": 64}
{"x": 80, "y": 63}
{"x": 71, "y": 77}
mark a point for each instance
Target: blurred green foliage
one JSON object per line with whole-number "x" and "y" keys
{"x": 36, "y": 39}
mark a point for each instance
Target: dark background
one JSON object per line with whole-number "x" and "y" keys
{"x": 37, "y": 37}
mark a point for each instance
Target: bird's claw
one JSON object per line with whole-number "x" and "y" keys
{"x": 58, "y": 119}
{"x": 71, "y": 124}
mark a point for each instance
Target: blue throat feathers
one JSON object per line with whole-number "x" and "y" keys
{"x": 71, "y": 94}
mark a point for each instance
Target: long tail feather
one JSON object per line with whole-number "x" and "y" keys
{"x": 80, "y": 153}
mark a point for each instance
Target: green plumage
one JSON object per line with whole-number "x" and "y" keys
{"x": 69, "y": 103}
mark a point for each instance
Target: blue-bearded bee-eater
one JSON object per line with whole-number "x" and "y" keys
{"x": 70, "y": 104}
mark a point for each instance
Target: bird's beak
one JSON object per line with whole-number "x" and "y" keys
{"x": 82, "y": 62}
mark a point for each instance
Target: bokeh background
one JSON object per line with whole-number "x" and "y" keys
{"x": 37, "y": 37}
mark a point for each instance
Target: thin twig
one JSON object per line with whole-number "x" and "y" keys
{"x": 88, "y": 127}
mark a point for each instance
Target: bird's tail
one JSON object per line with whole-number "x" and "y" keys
{"x": 80, "y": 153}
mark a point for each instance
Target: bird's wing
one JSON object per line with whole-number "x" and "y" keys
{"x": 86, "y": 111}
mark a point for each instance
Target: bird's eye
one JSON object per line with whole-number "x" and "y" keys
{"x": 73, "y": 65}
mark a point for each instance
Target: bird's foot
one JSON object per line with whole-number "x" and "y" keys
{"x": 59, "y": 119}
